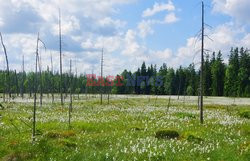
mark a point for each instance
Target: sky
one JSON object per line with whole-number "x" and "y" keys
{"x": 130, "y": 31}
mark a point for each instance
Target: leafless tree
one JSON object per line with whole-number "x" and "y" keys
{"x": 7, "y": 64}
{"x": 35, "y": 90}
{"x": 60, "y": 49}
{"x": 52, "y": 78}
{"x": 202, "y": 64}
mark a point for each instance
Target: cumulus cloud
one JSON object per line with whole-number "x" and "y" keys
{"x": 170, "y": 18}
{"x": 223, "y": 38}
{"x": 86, "y": 26}
{"x": 145, "y": 27}
{"x": 238, "y": 9}
{"x": 158, "y": 8}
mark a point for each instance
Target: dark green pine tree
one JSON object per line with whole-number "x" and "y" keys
{"x": 207, "y": 77}
{"x": 170, "y": 82}
{"x": 231, "y": 82}
{"x": 218, "y": 72}
{"x": 163, "y": 74}
{"x": 244, "y": 74}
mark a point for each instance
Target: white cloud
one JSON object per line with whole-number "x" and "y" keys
{"x": 246, "y": 41}
{"x": 131, "y": 45}
{"x": 107, "y": 21}
{"x": 145, "y": 28}
{"x": 162, "y": 55}
{"x": 170, "y": 18}
{"x": 158, "y": 8}
{"x": 223, "y": 38}
{"x": 1, "y": 22}
{"x": 238, "y": 9}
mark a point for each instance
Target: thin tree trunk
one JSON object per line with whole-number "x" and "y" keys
{"x": 35, "y": 91}
{"x": 4, "y": 88}
{"x": 52, "y": 79}
{"x": 22, "y": 85}
{"x": 16, "y": 81}
{"x": 101, "y": 75}
{"x": 70, "y": 105}
{"x": 7, "y": 63}
{"x": 169, "y": 101}
{"x": 202, "y": 64}
{"x": 60, "y": 48}
{"x": 41, "y": 79}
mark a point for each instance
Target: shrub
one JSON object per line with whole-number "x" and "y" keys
{"x": 185, "y": 115}
{"x": 68, "y": 143}
{"x": 167, "y": 134}
{"x": 64, "y": 134}
{"x": 192, "y": 138}
{"x": 245, "y": 114}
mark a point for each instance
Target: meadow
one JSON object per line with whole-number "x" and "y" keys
{"x": 127, "y": 128}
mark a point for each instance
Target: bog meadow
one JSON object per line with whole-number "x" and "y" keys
{"x": 115, "y": 80}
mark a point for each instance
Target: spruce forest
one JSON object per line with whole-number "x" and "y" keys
{"x": 222, "y": 78}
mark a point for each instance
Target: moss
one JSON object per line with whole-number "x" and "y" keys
{"x": 194, "y": 139}
{"x": 17, "y": 156}
{"x": 245, "y": 114}
{"x": 185, "y": 115}
{"x": 136, "y": 129}
{"x": 167, "y": 134}
{"x": 64, "y": 134}
{"x": 68, "y": 143}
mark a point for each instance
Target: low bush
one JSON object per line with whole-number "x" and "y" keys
{"x": 194, "y": 139}
{"x": 167, "y": 134}
{"x": 245, "y": 114}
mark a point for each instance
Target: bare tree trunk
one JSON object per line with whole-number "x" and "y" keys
{"x": 35, "y": 91}
{"x": 4, "y": 88}
{"x": 169, "y": 101}
{"x": 17, "y": 87}
{"x": 7, "y": 63}
{"x": 22, "y": 85}
{"x": 202, "y": 64}
{"x": 60, "y": 48}
{"x": 52, "y": 79}
{"x": 41, "y": 79}
{"x": 101, "y": 76}
{"x": 70, "y": 105}
{"x": 179, "y": 89}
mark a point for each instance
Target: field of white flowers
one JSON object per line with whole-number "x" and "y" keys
{"x": 128, "y": 128}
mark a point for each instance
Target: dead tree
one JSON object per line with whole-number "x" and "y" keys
{"x": 7, "y": 64}
{"x": 35, "y": 90}
{"x": 40, "y": 73}
{"x": 202, "y": 64}
{"x": 16, "y": 82}
{"x": 22, "y": 84}
{"x": 179, "y": 89}
{"x": 71, "y": 104}
{"x": 52, "y": 79}
{"x": 41, "y": 80}
{"x": 60, "y": 49}
{"x": 4, "y": 88}
{"x": 101, "y": 76}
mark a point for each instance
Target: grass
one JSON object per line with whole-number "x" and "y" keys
{"x": 125, "y": 130}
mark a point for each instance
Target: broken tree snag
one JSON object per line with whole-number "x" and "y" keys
{"x": 60, "y": 49}
{"x": 7, "y": 63}
{"x": 35, "y": 91}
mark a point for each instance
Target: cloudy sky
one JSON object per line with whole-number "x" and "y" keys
{"x": 131, "y": 31}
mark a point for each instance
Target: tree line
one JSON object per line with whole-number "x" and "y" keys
{"x": 220, "y": 79}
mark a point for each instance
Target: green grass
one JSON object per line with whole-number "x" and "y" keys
{"x": 125, "y": 129}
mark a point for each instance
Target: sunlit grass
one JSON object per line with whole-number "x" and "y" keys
{"x": 125, "y": 129}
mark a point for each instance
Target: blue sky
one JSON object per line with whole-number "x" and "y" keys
{"x": 131, "y": 31}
